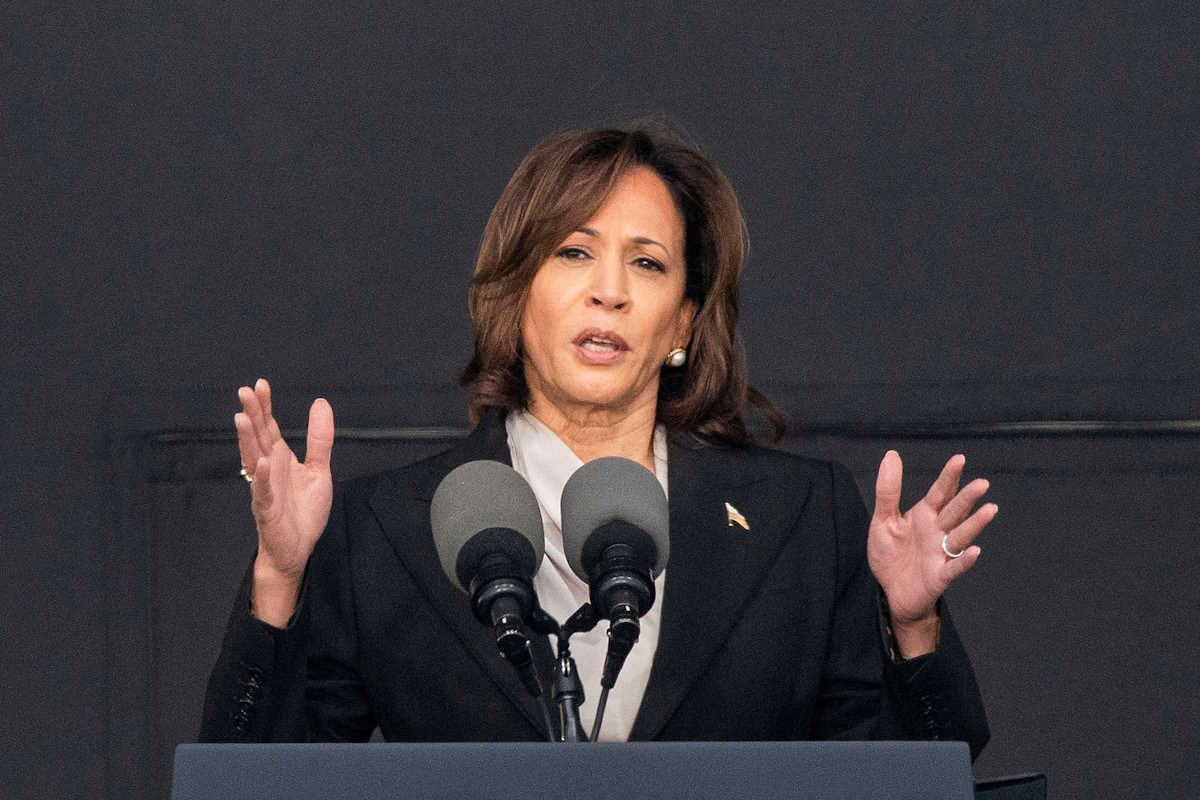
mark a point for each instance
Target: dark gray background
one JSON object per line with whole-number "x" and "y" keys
{"x": 959, "y": 215}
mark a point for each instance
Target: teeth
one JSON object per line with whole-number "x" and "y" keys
{"x": 598, "y": 345}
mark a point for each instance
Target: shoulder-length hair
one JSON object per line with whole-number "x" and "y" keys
{"x": 558, "y": 186}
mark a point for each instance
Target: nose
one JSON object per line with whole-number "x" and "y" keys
{"x": 610, "y": 284}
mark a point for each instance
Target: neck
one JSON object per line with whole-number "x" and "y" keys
{"x": 593, "y": 433}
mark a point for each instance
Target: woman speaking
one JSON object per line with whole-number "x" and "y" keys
{"x": 605, "y": 311}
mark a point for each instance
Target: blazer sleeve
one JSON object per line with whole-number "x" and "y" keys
{"x": 298, "y": 683}
{"x": 865, "y": 695}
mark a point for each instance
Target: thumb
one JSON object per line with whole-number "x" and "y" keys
{"x": 319, "y": 444}
{"x": 887, "y": 485}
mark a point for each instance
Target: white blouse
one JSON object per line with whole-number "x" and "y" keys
{"x": 546, "y": 462}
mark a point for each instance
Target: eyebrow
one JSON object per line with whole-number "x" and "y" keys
{"x": 637, "y": 239}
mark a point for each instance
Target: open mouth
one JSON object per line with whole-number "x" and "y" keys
{"x": 600, "y": 342}
{"x": 599, "y": 345}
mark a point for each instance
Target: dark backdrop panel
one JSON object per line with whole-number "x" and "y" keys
{"x": 936, "y": 196}
{"x": 958, "y": 214}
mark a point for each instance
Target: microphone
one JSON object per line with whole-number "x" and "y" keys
{"x": 487, "y": 529}
{"x": 616, "y": 536}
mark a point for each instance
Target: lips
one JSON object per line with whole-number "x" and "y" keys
{"x": 597, "y": 341}
{"x": 595, "y": 346}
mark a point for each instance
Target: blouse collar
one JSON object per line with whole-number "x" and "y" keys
{"x": 546, "y": 462}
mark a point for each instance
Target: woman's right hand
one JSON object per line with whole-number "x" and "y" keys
{"x": 290, "y": 500}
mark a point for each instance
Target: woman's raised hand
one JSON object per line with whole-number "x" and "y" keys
{"x": 906, "y": 550}
{"x": 290, "y": 500}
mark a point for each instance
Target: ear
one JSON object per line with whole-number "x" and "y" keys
{"x": 683, "y": 323}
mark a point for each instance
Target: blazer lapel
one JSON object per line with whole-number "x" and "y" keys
{"x": 714, "y": 566}
{"x": 403, "y": 513}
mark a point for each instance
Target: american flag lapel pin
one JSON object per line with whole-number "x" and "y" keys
{"x": 735, "y": 517}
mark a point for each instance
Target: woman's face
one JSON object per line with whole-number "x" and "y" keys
{"x": 605, "y": 309}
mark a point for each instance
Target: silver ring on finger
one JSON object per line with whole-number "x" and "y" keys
{"x": 250, "y": 479}
{"x": 946, "y": 548}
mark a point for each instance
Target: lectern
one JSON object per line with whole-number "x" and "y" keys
{"x": 547, "y": 771}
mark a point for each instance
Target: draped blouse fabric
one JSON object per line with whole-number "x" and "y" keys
{"x": 546, "y": 462}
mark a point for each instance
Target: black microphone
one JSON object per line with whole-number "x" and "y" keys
{"x": 616, "y": 536}
{"x": 487, "y": 528}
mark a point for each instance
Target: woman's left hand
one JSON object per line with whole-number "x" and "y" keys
{"x": 905, "y": 550}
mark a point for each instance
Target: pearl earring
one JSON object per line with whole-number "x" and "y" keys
{"x": 677, "y": 357}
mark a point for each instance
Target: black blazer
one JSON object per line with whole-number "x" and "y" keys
{"x": 771, "y": 633}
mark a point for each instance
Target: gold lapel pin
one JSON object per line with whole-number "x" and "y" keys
{"x": 735, "y": 517}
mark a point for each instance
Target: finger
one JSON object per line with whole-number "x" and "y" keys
{"x": 887, "y": 485}
{"x": 261, "y": 495}
{"x": 964, "y": 534}
{"x": 958, "y": 508}
{"x": 320, "y": 433}
{"x": 262, "y": 391}
{"x": 947, "y": 483}
{"x": 955, "y": 568}
{"x": 253, "y": 410}
{"x": 247, "y": 445}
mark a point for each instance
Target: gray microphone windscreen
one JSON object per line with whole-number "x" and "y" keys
{"x": 485, "y": 496}
{"x": 613, "y": 489}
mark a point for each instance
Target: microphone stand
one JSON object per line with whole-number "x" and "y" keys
{"x": 567, "y": 688}
{"x": 567, "y": 691}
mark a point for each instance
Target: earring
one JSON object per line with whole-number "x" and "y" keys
{"x": 677, "y": 357}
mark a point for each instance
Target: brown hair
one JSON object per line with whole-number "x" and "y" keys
{"x": 557, "y": 187}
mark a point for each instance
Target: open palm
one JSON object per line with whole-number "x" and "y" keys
{"x": 290, "y": 499}
{"x": 905, "y": 549}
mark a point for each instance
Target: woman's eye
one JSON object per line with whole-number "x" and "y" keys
{"x": 649, "y": 263}
{"x": 572, "y": 253}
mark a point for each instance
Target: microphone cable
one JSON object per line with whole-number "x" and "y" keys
{"x": 545, "y": 707}
{"x": 599, "y": 714}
